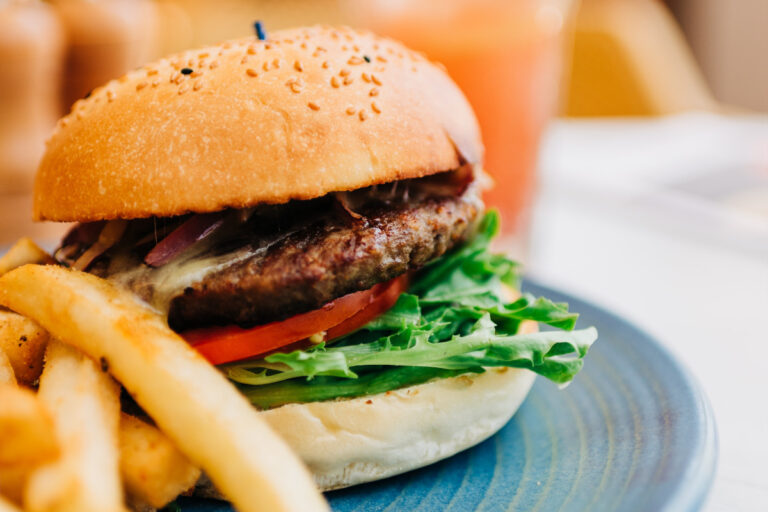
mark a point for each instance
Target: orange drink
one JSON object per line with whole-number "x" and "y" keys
{"x": 506, "y": 55}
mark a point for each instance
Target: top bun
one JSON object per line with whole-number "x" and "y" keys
{"x": 307, "y": 112}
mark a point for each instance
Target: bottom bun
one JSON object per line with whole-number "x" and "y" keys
{"x": 349, "y": 442}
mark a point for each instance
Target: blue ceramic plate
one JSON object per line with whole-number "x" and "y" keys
{"x": 632, "y": 432}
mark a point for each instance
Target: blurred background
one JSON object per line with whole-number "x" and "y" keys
{"x": 628, "y": 140}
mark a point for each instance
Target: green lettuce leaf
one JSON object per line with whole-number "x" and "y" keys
{"x": 454, "y": 319}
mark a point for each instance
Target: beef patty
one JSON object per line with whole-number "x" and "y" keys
{"x": 294, "y": 258}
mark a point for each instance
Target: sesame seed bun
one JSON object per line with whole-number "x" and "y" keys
{"x": 307, "y": 112}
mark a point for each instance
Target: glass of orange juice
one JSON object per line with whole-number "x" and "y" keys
{"x": 507, "y": 56}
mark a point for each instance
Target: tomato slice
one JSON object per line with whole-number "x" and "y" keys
{"x": 231, "y": 343}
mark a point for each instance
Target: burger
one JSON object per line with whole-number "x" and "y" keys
{"x": 305, "y": 210}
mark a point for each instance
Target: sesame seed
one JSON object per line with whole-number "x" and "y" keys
{"x": 155, "y": 82}
{"x": 251, "y": 72}
{"x": 375, "y": 80}
{"x": 344, "y": 72}
{"x": 355, "y": 60}
{"x": 366, "y": 78}
{"x": 381, "y": 58}
{"x": 203, "y": 55}
{"x": 195, "y": 74}
{"x": 297, "y": 66}
{"x": 276, "y": 63}
{"x": 295, "y": 85}
{"x": 375, "y": 108}
{"x": 325, "y": 64}
{"x": 363, "y": 115}
{"x": 344, "y": 47}
{"x": 151, "y": 72}
{"x": 356, "y": 48}
{"x": 198, "y": 85}
{"x": 351, "y": 111}
{"x": 348, "y": 80}
{"x": 320, "y": 49}
{"x": 313, "y": 105}
{"x": 251, "y": 50}
{"x": 265, "y": 66}
{"x": 303, "y": 46}
{"x": 141, "y": 85}
{"x": 374, "y": 92}
{"x": 334, "y": 82}
{"x": 268, "y": 46}
{"x": 184, "y": 88}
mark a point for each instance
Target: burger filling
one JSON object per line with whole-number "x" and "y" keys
{"x": 346, "y": 295}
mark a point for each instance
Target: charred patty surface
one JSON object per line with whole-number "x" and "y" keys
{"x": 288, "y": 259}
{"x": 325, "y": 261}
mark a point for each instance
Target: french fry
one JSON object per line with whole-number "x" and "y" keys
{"x": 191, "y": 402}
{"x": 7, "y": 506}
{"x": 13, "y": 478}
{"x": 27, "y": 438}
{"x": 7, "y": 376}
{"x": 21, "y": 339}
{"x": 23, "y": 342}
{"x": 21, "y": 253}
{"x": 26, "y": 429}
{"x": 85, "y": 406}
{"x": 154, "y": 471}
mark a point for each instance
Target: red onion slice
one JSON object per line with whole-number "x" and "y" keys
{"x": 193, "y": 230}
{"x": 84, "y": 233}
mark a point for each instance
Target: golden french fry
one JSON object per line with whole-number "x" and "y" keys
{"x": 7, "y": 506}
{"x": 23, "y": 342}
{"x": 27, "y": 438}
{"x": 26, "y": 429}
{"x": 85, "y": 406}
{"x": 6, "y": 370}
{"x": 13, "y": 479}
{"x": 154, "y": 471}
{"x": 192, "y": 402}
{"x": 21, "y": 253}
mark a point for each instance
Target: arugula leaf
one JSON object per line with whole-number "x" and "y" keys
{"x": 454, "y": 319}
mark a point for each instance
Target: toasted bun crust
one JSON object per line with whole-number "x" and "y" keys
{"x": 295, "y": 117}
{"x": 348, "y": 442}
